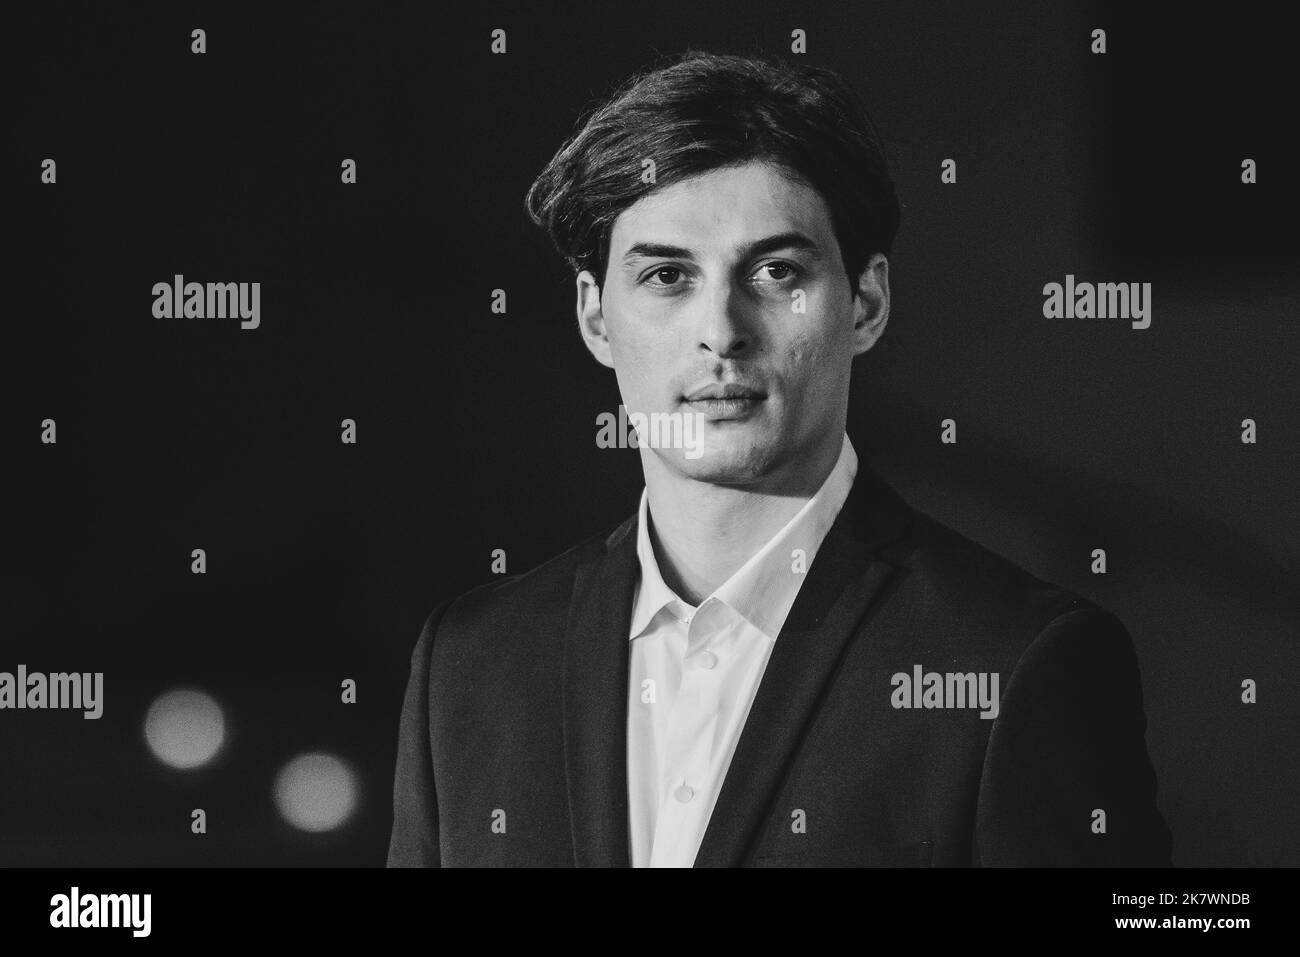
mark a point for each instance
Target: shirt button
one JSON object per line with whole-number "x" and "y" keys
{"x": 708, "y": 659}
{"x": 684, "y": 793}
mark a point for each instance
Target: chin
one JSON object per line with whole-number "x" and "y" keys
{"x": 726, "y": 461}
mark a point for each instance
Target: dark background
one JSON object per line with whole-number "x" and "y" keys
{"x": 476, "y": 431}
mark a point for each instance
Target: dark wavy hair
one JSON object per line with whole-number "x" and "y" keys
{"x": 705, "y": 111}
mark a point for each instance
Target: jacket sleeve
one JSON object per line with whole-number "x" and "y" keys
{"x": 414, "y": 840}
{"x": 1067, "y": 780}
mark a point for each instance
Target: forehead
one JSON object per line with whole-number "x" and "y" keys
{"x": 724, "y": 208}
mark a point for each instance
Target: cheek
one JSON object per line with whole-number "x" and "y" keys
{"x": 812, "y": 347}
{"x": 810, "y": 361}
{"x": 824, "y": 327}
{"x": 636, "y": 352}
{"x": 640, "y": 358}
{"x": 625, "y": 336}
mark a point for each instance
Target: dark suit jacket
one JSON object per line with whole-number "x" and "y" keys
{"x": 512, "y": 743}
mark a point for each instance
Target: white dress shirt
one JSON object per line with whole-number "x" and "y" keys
{"x": 695, "y": 670}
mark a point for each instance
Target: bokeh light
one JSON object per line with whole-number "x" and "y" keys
{"x": 316, "y": 792}
{"x": 185, "y": 728}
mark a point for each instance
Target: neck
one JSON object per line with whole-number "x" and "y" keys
{"x": 702, "y": 532}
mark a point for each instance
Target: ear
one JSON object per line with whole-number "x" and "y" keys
{"x": 591, "y": 320}
{"x": 870, "y": 304}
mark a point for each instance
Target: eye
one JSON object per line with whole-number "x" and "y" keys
{"x": 663, "y": 276}
{"x": 776, "y": 271}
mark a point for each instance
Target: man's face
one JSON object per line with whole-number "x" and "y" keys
{"x": 725, "y": 295}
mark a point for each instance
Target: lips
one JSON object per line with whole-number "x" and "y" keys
{"x": 725, "y": 391}
{"x": 723, "y": 402}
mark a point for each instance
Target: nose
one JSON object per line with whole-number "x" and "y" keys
{"x": 722, "y": 325}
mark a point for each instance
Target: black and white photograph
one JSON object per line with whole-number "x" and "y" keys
{"x": 854, "y": 436}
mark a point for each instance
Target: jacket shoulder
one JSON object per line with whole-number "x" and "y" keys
{"x": 538, "y": 598}
{"x": 985, "y": 595}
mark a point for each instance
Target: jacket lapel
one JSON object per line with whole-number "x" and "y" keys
{"x": 596, "y": 666}
{"x": 844, "y": 579}
{"x": 842, "y": 583}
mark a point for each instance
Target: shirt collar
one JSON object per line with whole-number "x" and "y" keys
{"x": 764, "y": 588}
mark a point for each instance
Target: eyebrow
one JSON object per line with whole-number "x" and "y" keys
{"x": 769, "y": 244}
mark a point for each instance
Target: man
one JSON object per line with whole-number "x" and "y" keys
{"x": 775, "y": 660}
